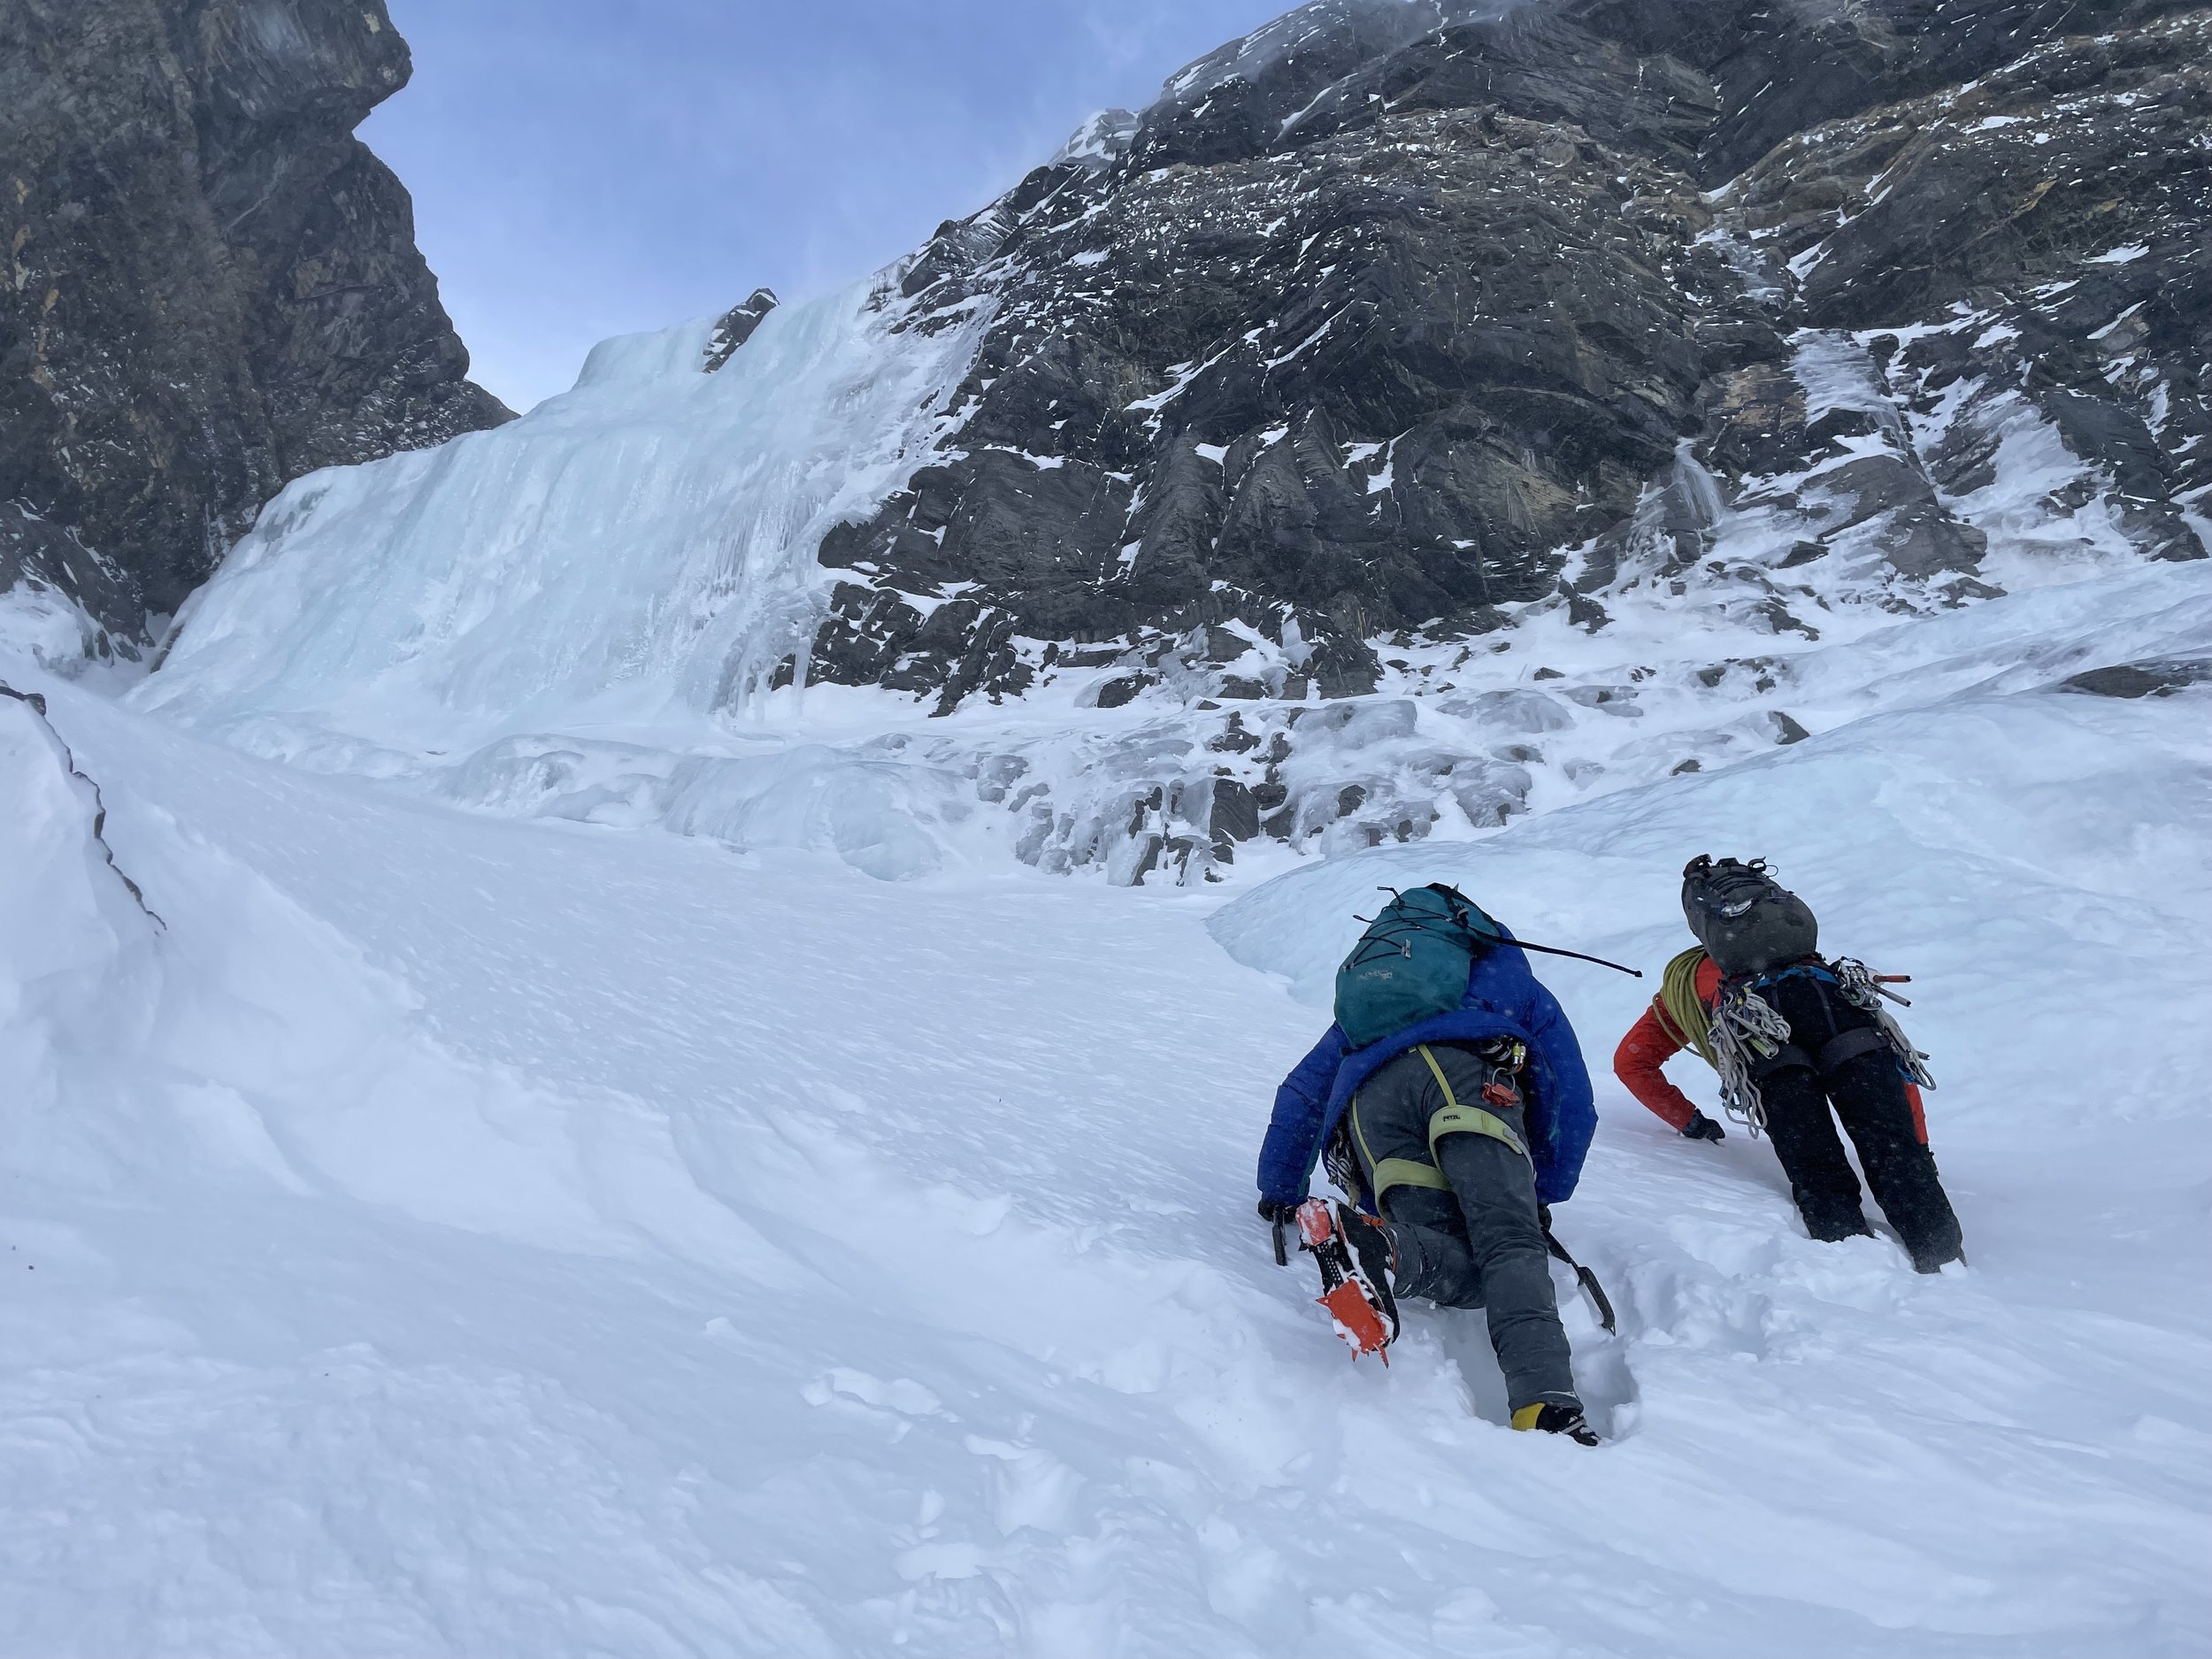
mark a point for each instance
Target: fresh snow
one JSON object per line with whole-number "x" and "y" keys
{"x": 583, "y": 1152}
{"x": 459, "y": 1234}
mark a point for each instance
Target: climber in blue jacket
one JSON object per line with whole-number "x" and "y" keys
{"x": 1456, "y": 1133}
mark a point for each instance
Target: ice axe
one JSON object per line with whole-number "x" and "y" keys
{"x": 1589, "y": 1280}
{"x": 1553, "y": 950}
{"x": 1517, "y": 944}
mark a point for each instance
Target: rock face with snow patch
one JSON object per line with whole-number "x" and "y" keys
{"x": 211, "y": 286}
{"x": 1422, "y": 415}
{"x": 735, "y": 327}
{"x": 2044, "y": 236}
{"x": 1390, "y": 316}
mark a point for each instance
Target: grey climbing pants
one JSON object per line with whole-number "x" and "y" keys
{"x": 1459, "y": 1193}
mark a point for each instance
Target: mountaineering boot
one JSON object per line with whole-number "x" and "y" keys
{"x": 1934, "y": 1258}
{"x": 1833, "y": 1229}
{"x": 1553, "y": 1417}
{"x": 1354, "y": 1254}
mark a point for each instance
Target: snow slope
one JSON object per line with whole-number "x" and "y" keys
{"x": 450, "y": 1215}
{"x": 460, "y": 1234}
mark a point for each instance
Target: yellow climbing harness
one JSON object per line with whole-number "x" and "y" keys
{"x": 1453, "y": 1118}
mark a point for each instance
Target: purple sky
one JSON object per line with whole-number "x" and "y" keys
{"x": 583, "y": 168}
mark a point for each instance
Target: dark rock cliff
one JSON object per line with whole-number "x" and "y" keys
{"x": 209, "y": 286}
{"x": 1395, "y": 314}
{"x": 2048, "y": 229}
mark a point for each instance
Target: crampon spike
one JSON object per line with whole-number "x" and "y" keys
{"x": 1355, "y": 1308}
{"x": 1315, "y": 1225}
{"x": 1356, "y": 1321}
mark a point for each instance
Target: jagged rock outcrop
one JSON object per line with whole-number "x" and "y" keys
{"x": 736, "y": 326}
{"x": 1394, "y": 315}
{"x": 209, "y": 286}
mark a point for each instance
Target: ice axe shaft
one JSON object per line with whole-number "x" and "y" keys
{"x": 1518, "y": 944}
{"x": 1588, "y": 1279}
{"x": 1553, "y": 950}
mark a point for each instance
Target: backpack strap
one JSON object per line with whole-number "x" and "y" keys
{"x": 1808, "y": 968}
{"x": 1457, "y": 1119}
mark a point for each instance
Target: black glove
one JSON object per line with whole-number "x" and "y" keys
{"x": 1543, "y": 1217}
{"x": 1278, "y": 1216}
{"x": 1704, "y": 1128}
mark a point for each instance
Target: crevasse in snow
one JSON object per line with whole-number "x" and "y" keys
{"x": 71, "y": 937}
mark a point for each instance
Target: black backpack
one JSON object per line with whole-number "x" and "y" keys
{"x": 1748, "y": 921}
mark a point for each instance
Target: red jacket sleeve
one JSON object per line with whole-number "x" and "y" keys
{"x": 1648, "y": 1046}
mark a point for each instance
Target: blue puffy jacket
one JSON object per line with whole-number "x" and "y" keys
{"x": 1504, "y": 1000}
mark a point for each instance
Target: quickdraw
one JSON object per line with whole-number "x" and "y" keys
{"x": 1746, "y": 1030}
{"x": 1341, "y": 1163}
{"x": 1863, "y": 988}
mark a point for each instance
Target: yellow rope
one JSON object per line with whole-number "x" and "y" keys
{"x": 1677, "y": 1002}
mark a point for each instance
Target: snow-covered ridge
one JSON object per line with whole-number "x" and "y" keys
{"x": 577, "y": 617}
{"x": 1369, "y": 29}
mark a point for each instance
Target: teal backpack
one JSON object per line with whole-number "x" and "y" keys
{"x": 1411, "y": 963}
